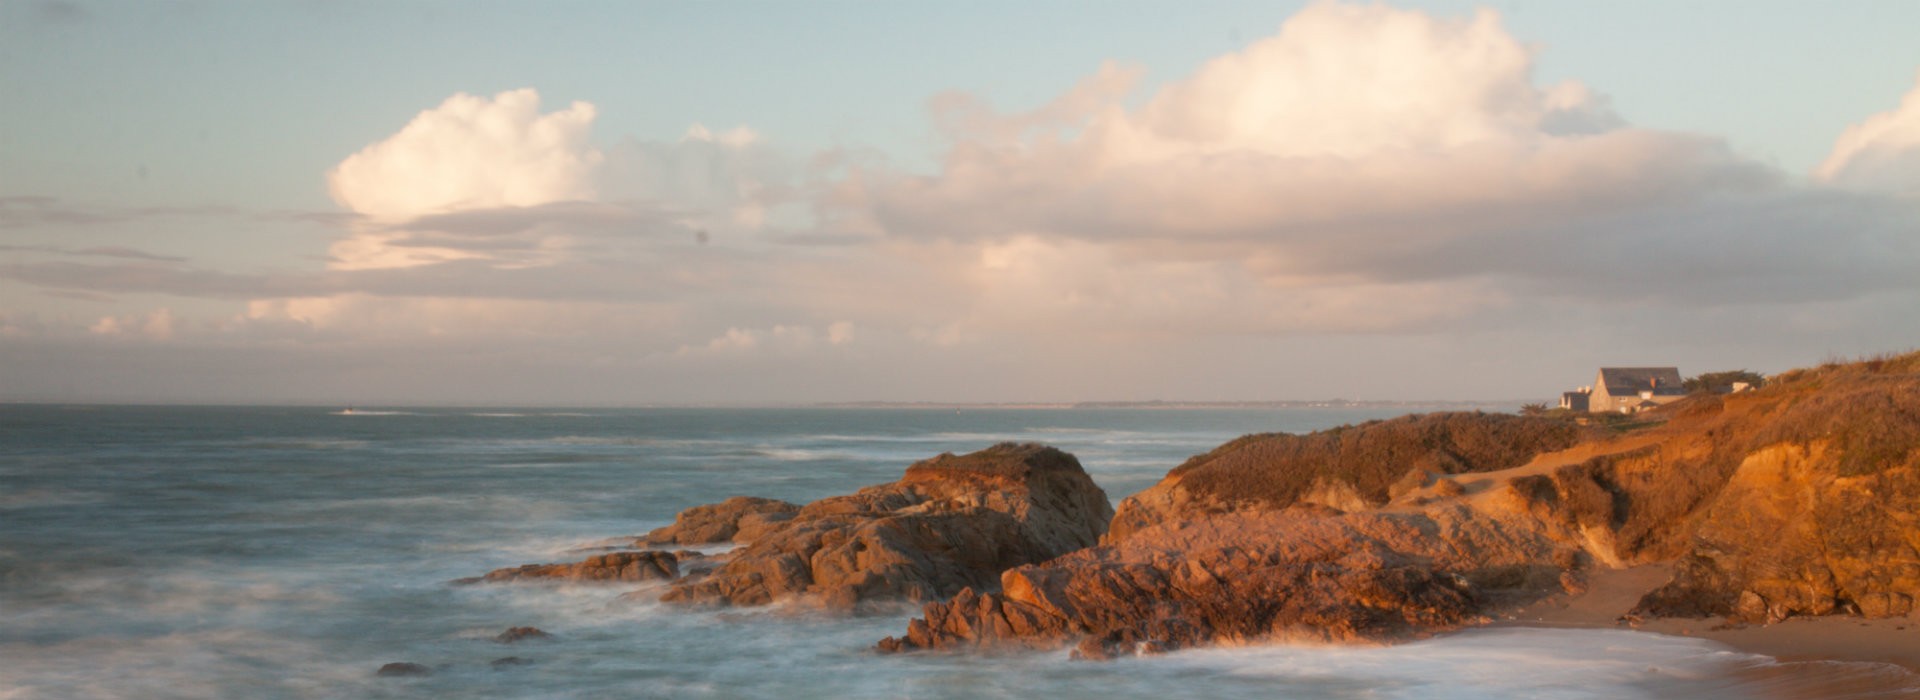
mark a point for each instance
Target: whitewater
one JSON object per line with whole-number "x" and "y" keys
{"x": 289, "y": 552}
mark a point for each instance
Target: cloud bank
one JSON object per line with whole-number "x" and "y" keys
{"x": 1365, "y": 183}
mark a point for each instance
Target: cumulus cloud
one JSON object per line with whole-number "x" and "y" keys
{"x": 468, "y": 153}
{"x": 1881, "y": 153}
{"x": 1363, "y": 169}
{"x": 472, "y": 153}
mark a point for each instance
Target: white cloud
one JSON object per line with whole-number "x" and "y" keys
{"x": 1881, "y": 153}
{"x": 1364, "y": 169}
{"x": 468, "y": 153}
{"x": 473, "y": 153}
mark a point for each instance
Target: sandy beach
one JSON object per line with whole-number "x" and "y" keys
{"x": 1887, "y": 651}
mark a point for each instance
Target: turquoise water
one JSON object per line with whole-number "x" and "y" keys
{"x": 190, "y": 552}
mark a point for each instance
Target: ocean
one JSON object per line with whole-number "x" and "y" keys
{"x": 289, "y": 552}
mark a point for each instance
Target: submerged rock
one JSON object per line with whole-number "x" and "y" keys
{"x": 403, "y": 669}
{"x": 949, "y": 523}
{"x": 617, "y": 567}
{"x": 517, "y": 634}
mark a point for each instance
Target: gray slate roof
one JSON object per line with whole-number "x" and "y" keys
{"x": 1622, "y": 381}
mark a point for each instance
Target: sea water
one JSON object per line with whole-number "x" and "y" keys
{"x": 283, "y": 552}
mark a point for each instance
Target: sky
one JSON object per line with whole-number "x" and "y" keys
{"x": 641, "y": 203}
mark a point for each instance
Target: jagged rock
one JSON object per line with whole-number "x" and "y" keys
{"x": 517, "y": 634}
{"x": 739, "y": 519}
{"x": 617, "y": 567}
{"x": 949, "y": 523}
{"x": 403, "y": 669}
{"x": 1301, "y": 573}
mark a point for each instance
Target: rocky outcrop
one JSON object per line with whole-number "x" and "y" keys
{"x": 1802, "y": 498}
{"x": 403, "y": 669}
{"x": 1790, "y": 537}
{"x": 949, "y": 523}
{"x": 1347, "y": 468}
{"x": 521, "y": 634}
{"x": 738, "y": 519}
{"x": 1298, "y": 574}
{"x": 617, "y": 567}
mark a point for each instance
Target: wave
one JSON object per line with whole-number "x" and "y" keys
{"x": 364, "y": 412}
{"x": 300, "y": 443}
{"x": 50, "y": 497}
{"x": 794, "y": 454}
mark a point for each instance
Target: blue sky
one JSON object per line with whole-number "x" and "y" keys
{"x": 172, "y": 216}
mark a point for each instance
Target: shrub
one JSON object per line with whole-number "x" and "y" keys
{"x": 1276, "y": 468}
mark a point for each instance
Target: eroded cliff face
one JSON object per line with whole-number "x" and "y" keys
{"x": 1789, "y": 536}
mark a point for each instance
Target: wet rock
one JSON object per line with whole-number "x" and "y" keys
{"x": 519, "y": 634}
{"x": 508, "y": 662}
{"x": 403, "y": 669}
{"x": 618, "y": 567}
{"x": 739, "y": 519}
{"x": 949, "y": 523}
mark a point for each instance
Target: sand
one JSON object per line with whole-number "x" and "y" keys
{"x": 1881, "y": 657}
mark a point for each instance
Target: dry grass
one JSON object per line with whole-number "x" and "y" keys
{"x": 1867, "y": 411}
{"x": 1276, "y": 468}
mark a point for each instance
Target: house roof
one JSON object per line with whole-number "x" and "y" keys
{"x": 1621, "y": 381}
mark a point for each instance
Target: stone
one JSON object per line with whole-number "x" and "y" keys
{"x": 739, "y": 519}
{"x": 617, "y": 567}
{"x": 507, "y": 662}
{"x": 403, "y": 669}
{"x": 1286, "y": 575}
{"x": 520, "y": 634}
{"x": 951, "y": 522}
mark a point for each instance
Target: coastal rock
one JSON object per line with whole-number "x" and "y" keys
{"x": 617, "y": 567}
{"x": 950, "y": 523}
{"x": 1802, "y": 498}
{"x": 1297, "y": 574}
{"x": 1799, "y": 499}
{"x": 1348, "y": 468}
{"x": 739, "y": 519}
{"x": 403, "y": 669}
{"x": 519, "y": 634}
{"x": 1790, "y": 537}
